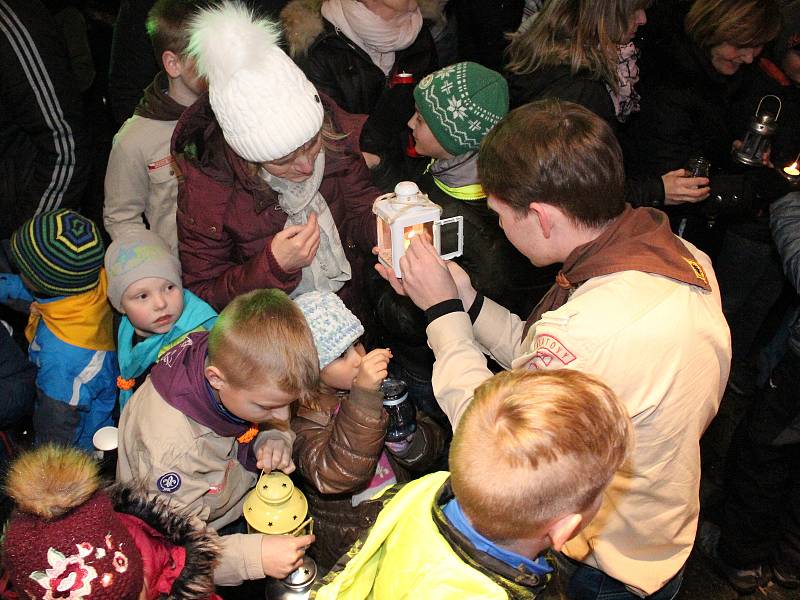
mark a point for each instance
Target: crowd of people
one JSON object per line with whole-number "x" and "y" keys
{"x": 219, "y": 299}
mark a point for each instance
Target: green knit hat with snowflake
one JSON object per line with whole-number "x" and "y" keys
{"x": 461, "y": 103}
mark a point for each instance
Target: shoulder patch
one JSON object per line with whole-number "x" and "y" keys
{"x": 169, "y": 482}
{"x": 546, "y": 349}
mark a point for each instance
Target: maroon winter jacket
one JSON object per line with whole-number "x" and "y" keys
{"x": 227, "y": 219}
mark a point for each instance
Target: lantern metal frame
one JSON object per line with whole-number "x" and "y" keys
{"x": 756, "y": 141}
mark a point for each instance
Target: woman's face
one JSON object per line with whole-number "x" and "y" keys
{"x": 727, "y": 58}
{"x": 389, "y": 9}
{"x": 296, "y": 166}
{"x": 636, "y": 20}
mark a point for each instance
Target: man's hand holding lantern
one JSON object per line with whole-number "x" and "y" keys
{"x": 426, "y": 277}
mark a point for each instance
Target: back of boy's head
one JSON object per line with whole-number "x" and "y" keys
{"x": 534, "y": 446}
{"x": 461, "y": 103}
{"x": 556, "y": 153}
{"x": 59, "y": 252}
{"x": 332, "y": 324}
{"x": 168, "y": 25}
{"x": 134, "y": 256}
{"x": 262, "y": 338}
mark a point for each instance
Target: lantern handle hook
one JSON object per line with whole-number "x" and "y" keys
{"x": 780, "y": 105}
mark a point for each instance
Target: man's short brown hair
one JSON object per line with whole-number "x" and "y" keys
{"x": 534, "y": 446}
{"x": 262, "y": 337}
{"x": 168, "y": 25}
{"x": 742, "y": 23}
{"x": 557, "y": 153}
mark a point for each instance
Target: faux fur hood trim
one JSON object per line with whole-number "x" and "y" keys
{"x": 202, "y": 545}
{"x": 303, "y": 23}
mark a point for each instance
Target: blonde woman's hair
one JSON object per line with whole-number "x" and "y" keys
{"x": 583, "y": 34}
{"x": 262, "y": 337}
{"x": 534, "y": 446}
{"x": 743, "y": 23}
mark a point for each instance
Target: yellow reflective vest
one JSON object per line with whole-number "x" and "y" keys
{"x": 405, "y": 556}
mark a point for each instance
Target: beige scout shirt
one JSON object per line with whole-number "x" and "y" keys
{"x": 174, "y": 455}
{"x": 141, "y": 179}
{"x": 664, "y": 348}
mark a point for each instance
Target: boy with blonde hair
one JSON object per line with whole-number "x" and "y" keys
{"x": 213, "y": 413}
{"x": 141, "y": 178}
{"x": 529, "y": 462}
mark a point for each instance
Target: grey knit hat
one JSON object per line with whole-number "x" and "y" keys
{"x": 134, "y": 256}
{"x": 332, "y": 324}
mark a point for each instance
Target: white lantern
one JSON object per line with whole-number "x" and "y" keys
{"x": 408, "y": 213}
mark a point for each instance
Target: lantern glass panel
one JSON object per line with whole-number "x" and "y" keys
{"x": 411, "y": 231}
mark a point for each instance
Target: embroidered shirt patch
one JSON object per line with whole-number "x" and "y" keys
{"x": 547, "y": 348}
{"x": 169, "y": 482}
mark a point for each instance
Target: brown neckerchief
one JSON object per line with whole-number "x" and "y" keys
{"x": 156, "y": 103}
{"x": 638, "y": 240}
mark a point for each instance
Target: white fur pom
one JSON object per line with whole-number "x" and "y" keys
{"x": 227, "y": 38}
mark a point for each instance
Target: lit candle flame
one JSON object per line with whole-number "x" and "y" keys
{"x": 792, "y": 169}
{"x": 412, "y": 231}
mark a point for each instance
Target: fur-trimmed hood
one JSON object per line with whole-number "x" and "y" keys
{"x": 303, "y": 23}
{"x": 202, "y": 545}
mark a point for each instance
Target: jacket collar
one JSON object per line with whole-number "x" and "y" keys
{"x": 519, "y": 584}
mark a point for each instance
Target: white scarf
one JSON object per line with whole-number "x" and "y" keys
{"x": 378, "y": 38}
{"x": 329, "y": 270}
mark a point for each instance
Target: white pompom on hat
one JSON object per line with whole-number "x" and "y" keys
{"x": 266, "y": 106}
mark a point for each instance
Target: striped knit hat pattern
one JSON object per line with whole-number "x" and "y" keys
{"x": 461, "y": 103}
{"x": 59, "y": 252}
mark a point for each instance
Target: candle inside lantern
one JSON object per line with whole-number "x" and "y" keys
{"x": 414, "y": 230}
{"x": 792, "y": 169}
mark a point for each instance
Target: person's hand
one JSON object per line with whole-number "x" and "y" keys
{"x": 275, "y": 454}
{"x": 374, "y": 369}
{"x": 372, "y": 160}
{"x": 282, "y": 554}
{"x": 466, "y": 292}
{"x": 296, "y": 246}
{"x": 389, "y": 275}
{"x": 426, "y": 278}
{"x": 679, "y": 189}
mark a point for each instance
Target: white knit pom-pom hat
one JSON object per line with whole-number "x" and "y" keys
{"x": 266, "y": 106}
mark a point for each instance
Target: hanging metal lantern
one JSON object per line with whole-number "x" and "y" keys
{"x": 757, "y": 140}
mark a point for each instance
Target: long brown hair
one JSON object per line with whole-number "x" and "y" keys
{"x": 583, "y": 34}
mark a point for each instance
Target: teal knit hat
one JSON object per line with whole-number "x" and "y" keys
{"x": 461, "y": 103}
{"x": 60, "y": 252}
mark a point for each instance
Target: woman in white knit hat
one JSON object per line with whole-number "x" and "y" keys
{"x": 270, "y": 196}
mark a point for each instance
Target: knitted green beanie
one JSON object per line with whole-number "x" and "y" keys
{"x": 461, "y": 103}
{"x": 60, "y": 252}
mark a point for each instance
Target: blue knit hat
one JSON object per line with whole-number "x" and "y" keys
{"x": 333, "y": 326}
{"x": 60, "y": 252}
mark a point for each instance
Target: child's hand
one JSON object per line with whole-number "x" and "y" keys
{"x": 374, "y": 369}
{"x": 275, "y": 455}
{"x": 282, "y": 554}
